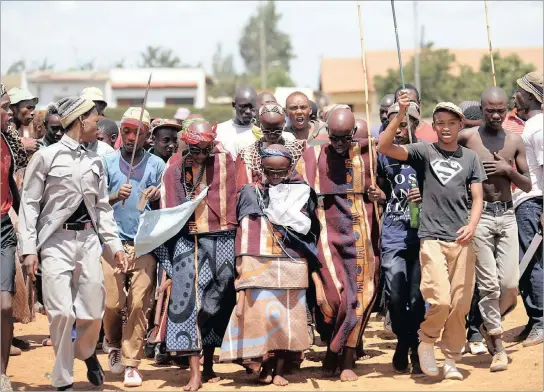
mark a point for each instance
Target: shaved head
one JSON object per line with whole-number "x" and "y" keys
{"x": 264, "y": 98}
{"x": 494, "y": 105}
{"x": 362, "y": 129}
{"x": 297, "y": 94}
{"x": 341, "y": 121}
{"x": 245, "y": 93}
{"x": 245, "y": 103}
{"x": 494, "y": 94}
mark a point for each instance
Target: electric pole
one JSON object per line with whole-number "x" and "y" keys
{"x": 262, "y": 45}
{"x": 417, "y": 78}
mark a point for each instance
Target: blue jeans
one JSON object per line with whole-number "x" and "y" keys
{"x": 402, "y": 276}
{"x": 474, "y": 319}
{"x": 531, "y": 283}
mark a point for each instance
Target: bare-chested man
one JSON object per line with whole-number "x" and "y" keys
{"x": 496, "y": 237}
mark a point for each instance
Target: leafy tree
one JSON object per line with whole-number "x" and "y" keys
{"x": 438, "y": 83}
{"x": 224, "y": 73}
{"x": 278, "y": 44}
{"x": 156, "y": 56}
{"x": 16, "y": 67}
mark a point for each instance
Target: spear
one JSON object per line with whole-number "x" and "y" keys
{"x": 138, "y": 133}
{"x": 370, "y": 147}
{"x": 489, "y": 42}
{"x": 400, "y": 64}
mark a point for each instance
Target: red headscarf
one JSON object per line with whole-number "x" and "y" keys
{"x": 191, "y": 136}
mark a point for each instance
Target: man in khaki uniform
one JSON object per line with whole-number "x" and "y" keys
{"x": 65, "y": 215}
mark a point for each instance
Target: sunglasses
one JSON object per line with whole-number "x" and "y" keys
{"x": 347, "y": 138}
{"x": 272, "y": 131}
{"x": 194, "y": 150}
{"x": 275, "y": 173}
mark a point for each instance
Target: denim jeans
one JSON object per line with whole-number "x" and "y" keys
{"x": 531, "y": 282}
{"x": 497, "y": 272}
{"x": 474, "y": 319}
{"x": 402, "y": 277}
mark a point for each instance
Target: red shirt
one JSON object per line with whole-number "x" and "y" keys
{"x": 426, "y": 133}
{"x": 513, "y": 123}
{"x": 5, "y": 167}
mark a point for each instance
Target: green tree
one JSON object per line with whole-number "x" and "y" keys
{"x": 156, "y": 56}
{"x": 439, "y": 82}
{"x": 17, "y": 67}
{"x": 508, "y": 70}
{"x": 224, "y": 73}
{"x": 277, "y": 43}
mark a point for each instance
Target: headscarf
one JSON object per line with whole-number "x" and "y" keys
{"x": 191, "y": 136}
{"x": 71, "y": 108}
{"x": 271, "y": 108}
{"x": 186, "y": 123}
{"x": 532, "y": 83}
{"x": 273, "y": 152}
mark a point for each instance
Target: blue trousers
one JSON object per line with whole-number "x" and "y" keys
{"x": 531, "y": 283}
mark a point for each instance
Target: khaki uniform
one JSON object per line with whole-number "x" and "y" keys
{"x": 62, "y": 176}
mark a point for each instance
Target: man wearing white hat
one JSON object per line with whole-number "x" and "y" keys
{"x": 95, "y": 94}
{"x": 65, "y": 216}
{"x": 181, "y": 115}
{"x": 129, "y": 200}
{"x": 23, "y": 104}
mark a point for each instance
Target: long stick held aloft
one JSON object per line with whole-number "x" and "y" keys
{"x": 400, "y": 64}
{"x": 490, "y": 47}
{"x": 370, "y": 146}
{"x": 138, "y": 132}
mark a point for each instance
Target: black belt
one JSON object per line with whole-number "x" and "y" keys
{"x": 77, "y": 226}
{"x": 498, "y": 206}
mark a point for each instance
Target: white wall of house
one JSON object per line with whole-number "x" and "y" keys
{"x": 52, "y": 91}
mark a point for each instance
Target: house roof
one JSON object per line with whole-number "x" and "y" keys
{"x": 344, "y": 75}
{"x": 69, "y": 76}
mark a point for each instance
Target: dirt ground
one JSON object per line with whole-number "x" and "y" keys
{"x": 30, "y": 371}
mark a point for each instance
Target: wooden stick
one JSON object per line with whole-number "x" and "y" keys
{"x": 137, "y": 134}
{"x": 490, "y": 47}
{"x": 370, "y": 146}
{"x": 400, "y": 67}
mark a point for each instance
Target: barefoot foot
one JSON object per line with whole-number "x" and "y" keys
{"x": 280, "y": 381}
{"x": 194, "y": 384}
{"x": 348, "y": 375}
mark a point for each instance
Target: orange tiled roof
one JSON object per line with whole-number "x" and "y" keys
{"x": 343, "y": 75}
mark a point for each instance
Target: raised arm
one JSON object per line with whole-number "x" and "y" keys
{"x": 385, "y": 142}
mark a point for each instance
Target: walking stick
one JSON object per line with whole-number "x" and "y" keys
{"x": 400, "y": 65}
{"x": 370, "y": 146}
{"x": 137, "y": 134}
{"x": 490, "y": 47}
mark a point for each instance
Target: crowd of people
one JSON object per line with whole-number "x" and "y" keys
{"x": 173, "y": 238}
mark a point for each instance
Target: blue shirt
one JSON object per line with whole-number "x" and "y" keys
{"x": 396, "y": 230}
{"x": 148, "y": 172}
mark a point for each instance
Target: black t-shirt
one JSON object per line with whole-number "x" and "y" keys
{"x": 444, "y": 179}
{"x": 81, "y": 215}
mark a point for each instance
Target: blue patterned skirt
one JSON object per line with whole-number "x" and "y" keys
{"x": 202, "y": 295}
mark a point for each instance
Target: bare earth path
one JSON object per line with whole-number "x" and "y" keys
{"x": 30, "y": 371}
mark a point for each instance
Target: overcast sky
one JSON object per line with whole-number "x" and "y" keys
{"x": 68, "y": 33}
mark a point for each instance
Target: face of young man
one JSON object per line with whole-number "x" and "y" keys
{"x": 401, "y": 136}
{"x": 54, "y": 128}
{"x": 447, "y": 126}
{"x": 24, "y": 112}
{"x": 276, "y": 169}
{"x": 128, "y": 135}
{"x": 298, "y": 111}
{"x": 341, "y": 139}
{"x": 166, "y": 142}
{"x": 6, "y": 114}
{"x": 494, "y": 112}
{"x": 200, "y": 151}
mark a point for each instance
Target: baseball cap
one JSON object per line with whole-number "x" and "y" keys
{"x": 413, "y": 110}
{"x": 93, "y": 94}
{"x": 165, "y": 123}
{"x": 18, "y": 94}
{"x": 449, "y": 107}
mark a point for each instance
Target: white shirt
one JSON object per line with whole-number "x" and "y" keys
{"x": 236, "y": 137}
{"x": 533, "y": 135}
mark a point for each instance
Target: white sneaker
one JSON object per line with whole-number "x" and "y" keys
{"x": 427, "y": 360}
{"x": 105, "y": 348}
{"x": 114, "y": 361}
{"x": 450, "y": 371}
{"x": 133, "y": 377}
{"x": 477, "y": 348}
